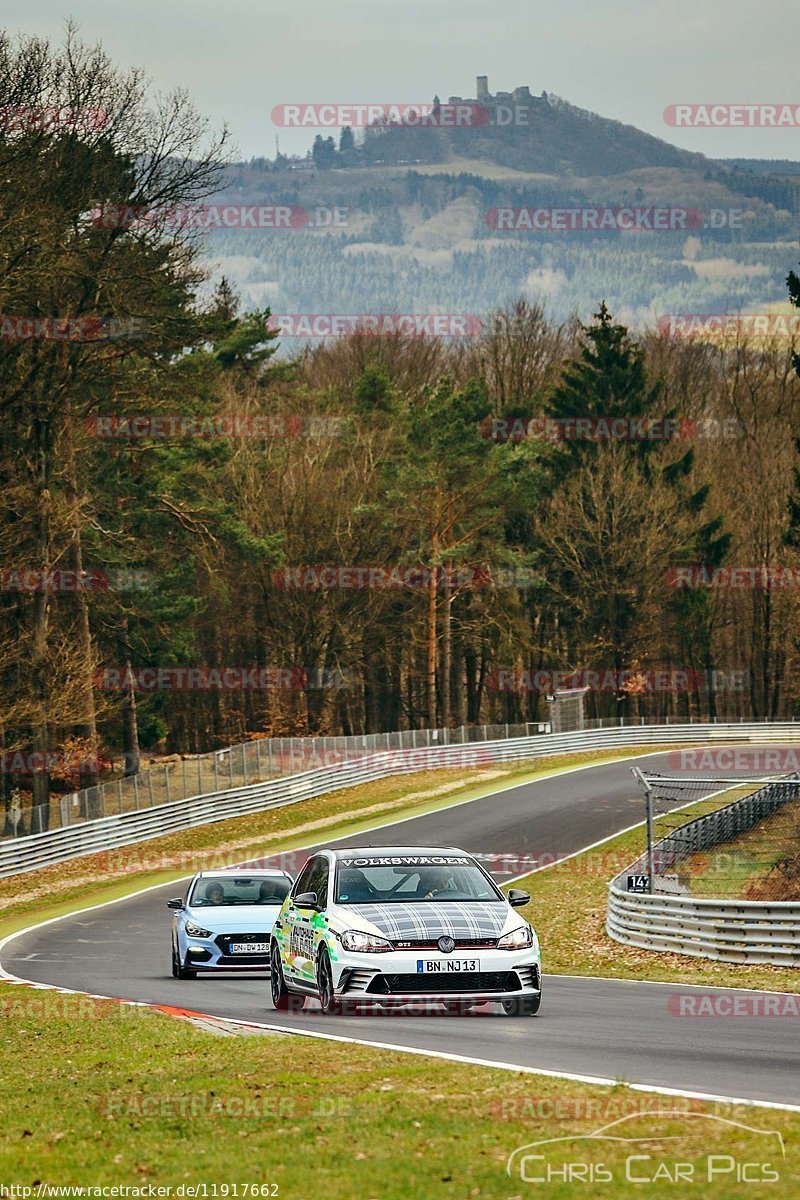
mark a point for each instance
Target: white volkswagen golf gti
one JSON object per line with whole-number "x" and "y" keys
{"x": 391, "y": 926}
{"x": 225, "y": 922}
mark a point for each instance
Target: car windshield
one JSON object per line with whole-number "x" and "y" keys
{"x": 409, "y": 879}
{"x": 249, "y": 889}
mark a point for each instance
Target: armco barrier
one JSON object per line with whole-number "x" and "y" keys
{"x": 23, "y": 854}
{"x": 738, "y": 931}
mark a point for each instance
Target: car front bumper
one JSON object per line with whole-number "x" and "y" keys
{"x": 209, "y": 954}
{"x": 404, "y": 976}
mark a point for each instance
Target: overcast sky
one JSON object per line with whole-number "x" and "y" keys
{"x": 626, "y": 59}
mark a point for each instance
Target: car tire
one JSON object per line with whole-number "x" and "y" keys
{"x": 282, "y": 999}
{"x": 179, "y": 972}
{"x": 325, "y": 991}
{"x": 522, "y": 1006}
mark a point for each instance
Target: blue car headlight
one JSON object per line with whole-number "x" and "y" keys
{"x": 195, "y": 930}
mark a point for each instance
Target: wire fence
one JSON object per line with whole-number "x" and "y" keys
{"x": 740, "y": 830}
{"x": 238, "y": 766}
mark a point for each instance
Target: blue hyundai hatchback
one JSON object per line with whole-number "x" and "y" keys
{"x": 225, "y": 923}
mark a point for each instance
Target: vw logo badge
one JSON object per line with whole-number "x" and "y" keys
{"x": 446, "y": 945}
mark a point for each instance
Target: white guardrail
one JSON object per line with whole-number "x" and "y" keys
{"x": 22, "y": 854}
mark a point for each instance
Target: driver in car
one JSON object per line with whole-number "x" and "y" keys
{"x": 439, "y": 882}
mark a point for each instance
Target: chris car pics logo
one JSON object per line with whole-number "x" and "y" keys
{"x": 673, "y": 1149}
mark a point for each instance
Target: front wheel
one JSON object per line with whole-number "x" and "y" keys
{"x": 522, "y": 1006}
{"x": 179, "y": 972}
{"x": 327, "y": 996}
{"x": 282, "y": 999}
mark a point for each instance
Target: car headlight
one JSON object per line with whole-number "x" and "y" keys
{"x": 516, "y": 939}
{"x": 354, "y": 939}
{"x": 195, "y": 930}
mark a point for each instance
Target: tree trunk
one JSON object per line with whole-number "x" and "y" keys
{"x": 88, "y": 773}
{"x": 130, "y": 723}
{"x": 431, "y": 664}
{"x": 447, "y": 662}
{"x": 39, "y": 667}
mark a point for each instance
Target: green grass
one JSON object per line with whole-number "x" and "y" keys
{"x": 100, "y": 1094}
{"x": 742, "y": 868}
{"x": 80, "y": 882}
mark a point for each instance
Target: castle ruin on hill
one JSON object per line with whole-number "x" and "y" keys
{"x": 520, "y": 95}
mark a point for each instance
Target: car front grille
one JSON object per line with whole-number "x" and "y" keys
{"x": 436, "y": 983}
{"x": 223, "y": 941}
{"x": 461, "y": 944}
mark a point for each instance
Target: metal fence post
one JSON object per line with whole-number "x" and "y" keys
{"x": 150, "y": 782}
{"x": 166, "y": 783}
{"x": 136, "y": 790}
{"x": 216, "y": 771}
{"x": 258, "y": 757}
{"x": 244, "y": 762}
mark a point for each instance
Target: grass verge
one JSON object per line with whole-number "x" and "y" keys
{"x": 761, "y": 864}
{"x": 99, "y": 1094}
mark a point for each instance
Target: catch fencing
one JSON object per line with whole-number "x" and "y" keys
{"x": 737, "y": 930}
{"x": 23, "y": 854}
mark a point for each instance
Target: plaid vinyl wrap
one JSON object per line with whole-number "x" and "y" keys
{"x": 417, "y": 922}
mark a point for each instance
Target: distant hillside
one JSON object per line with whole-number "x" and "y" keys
{"x": 556, "y": 138}
{"x": 763, "y": 166}
{"x": 399, "y": 221}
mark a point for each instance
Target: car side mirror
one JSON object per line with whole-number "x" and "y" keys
{"x": 176, "y": 903}
{"x": 307, "y": 900}
{"x": 517, "y": 898}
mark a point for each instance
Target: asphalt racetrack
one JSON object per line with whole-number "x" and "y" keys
{"x": 589, "y": 1027}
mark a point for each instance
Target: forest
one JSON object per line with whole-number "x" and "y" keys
{"x": 208, "y": 536}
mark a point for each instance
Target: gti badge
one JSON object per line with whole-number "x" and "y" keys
{"x": 446, "y": 945}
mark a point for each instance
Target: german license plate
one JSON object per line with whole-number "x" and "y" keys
{"x": 444, "y": 966}
{"x": 248, "y": 948}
